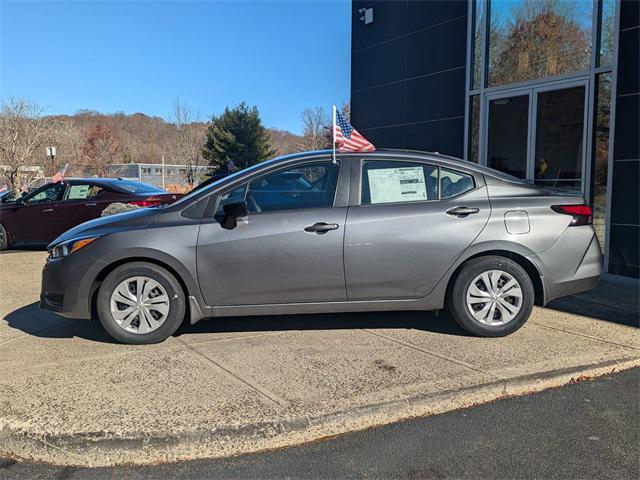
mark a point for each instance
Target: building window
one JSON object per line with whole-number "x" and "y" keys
{"x": 474, "y": 129}
{"x": 146, "y": 171}
{"x": 529, "y": 40}
{"x": 478, "y": 32}
{"x": 607, "y": 32}
{"x": 600, "y": 166}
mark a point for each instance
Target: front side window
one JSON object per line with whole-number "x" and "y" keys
{"x": 234, "y": 196}
{"x": 395, "y": 182}
{"x": 82, "y": 192}
{"x": 51, "y": 193}
{"x": 306, "y": 186}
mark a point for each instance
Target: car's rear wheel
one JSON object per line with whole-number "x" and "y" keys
{"x": 4, "y": 241}
{"x": 492, "y": 296}
{"x": 140, "y": 303}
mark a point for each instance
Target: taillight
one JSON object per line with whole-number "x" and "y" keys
{"x": 582, "y": 214}
{"x": 147, "y": 202}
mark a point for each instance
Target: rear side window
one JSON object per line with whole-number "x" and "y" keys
{"x": 82, "y": 192}
{"x": 454, "y": 183}
{"x": 402, "y": 182}
{"x": 398, "y": 182}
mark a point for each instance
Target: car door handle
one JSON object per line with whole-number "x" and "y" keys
{"x": 462, "y": 211}
{"x": 47, "y": 210}
{"x": 90, "y": 204}
{"x": 321, "y": 227}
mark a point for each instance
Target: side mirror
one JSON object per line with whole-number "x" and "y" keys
{"x": 19, "y": 201}
{"x": 233, "y": 211}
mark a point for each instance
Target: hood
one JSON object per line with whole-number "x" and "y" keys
{"x": 134, "y": 219}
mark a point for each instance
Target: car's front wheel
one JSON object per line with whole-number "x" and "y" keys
{"x": 140, "y": 303}
{"x": 492, "y": 296}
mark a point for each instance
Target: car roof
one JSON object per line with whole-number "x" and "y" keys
{"x": 412, "y": 154}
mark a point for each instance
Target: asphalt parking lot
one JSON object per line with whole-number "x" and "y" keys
{"x": 71, "y": 396}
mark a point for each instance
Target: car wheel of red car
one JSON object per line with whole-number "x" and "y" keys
{"x": 4, "y": 241}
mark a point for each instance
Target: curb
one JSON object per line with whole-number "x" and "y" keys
{"x": 105, "y": 449}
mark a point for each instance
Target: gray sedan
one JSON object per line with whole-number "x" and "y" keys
{"x": 390, "y": 230}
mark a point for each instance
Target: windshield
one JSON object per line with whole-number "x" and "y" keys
{"x": 137, "y": 187}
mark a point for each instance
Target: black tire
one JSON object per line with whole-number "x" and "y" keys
{"x": 173, "y": 289}
{"x": 4, "y": 241}
{"x": 457, "y": 298}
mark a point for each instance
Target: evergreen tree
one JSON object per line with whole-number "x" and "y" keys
{"x": 237, "y": 135}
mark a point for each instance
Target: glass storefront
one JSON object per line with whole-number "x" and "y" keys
{"x": 540, "y": 93}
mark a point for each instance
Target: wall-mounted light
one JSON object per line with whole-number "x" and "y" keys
{"x": 366, "y": 15}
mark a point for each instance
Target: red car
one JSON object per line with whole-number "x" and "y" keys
{"x": 42, "y": 215}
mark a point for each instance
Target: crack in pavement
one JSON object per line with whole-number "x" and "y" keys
{"x": 272, "y": 397}
{"x": 583, "y": 335}
{"x": 434, "y": 354}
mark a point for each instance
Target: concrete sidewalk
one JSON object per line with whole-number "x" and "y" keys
{"x": 68, "y": 395}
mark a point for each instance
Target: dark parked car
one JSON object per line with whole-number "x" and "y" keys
{"x": 42, "y": 215}
{"x": 390, "y": 230}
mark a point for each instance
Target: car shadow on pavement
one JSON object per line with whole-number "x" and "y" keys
{"x": 614, "y": 299}
{"x": 40, "y": 323}
{"x": 32, "y": 320}
{"x": 425, "y": 321}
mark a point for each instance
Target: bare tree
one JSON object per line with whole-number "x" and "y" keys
{"x": 314, "y": 123}
{"x": 101, "y": 148}
{"x": 191, "y": 134}
{"x": 24, "y": 134}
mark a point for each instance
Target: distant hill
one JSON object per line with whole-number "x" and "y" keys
{"x": 141, "y": 138}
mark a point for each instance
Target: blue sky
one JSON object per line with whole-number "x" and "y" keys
{"x": 140, "y": 56}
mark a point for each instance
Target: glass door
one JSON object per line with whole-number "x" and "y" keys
{"x": 507, "y": 133}
{"x": 559, "y": 133}
{"x": 538, "y": 134}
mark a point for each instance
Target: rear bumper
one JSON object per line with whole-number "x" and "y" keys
{"x": 573, "y": 265}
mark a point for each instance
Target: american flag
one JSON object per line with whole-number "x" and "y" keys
{"x": 59, "y": 177}
{"x": 348, "y": 138}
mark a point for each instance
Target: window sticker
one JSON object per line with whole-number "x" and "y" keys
{"x": 78, "y": 192}
{"x": 389, "y": 185}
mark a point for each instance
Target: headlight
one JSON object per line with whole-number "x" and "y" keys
{"x": 70, "y": 246}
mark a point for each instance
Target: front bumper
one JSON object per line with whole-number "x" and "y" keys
{"x": 67, "y": 285}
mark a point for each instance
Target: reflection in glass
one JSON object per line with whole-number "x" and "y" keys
{"x": 601, "y": 155}
{"x": 532, "y": 39}
{"x": 474, "y": 129}
{"x": 507, "y": 129}
{"x": 559, "y": 138}
{"x": 477, "y": 43}
{"x": 607, "y": 37}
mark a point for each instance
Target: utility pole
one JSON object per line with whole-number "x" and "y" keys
{"x": 163, "y": 172}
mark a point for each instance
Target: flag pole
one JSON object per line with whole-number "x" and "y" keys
{"x": 334, "y": 133}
